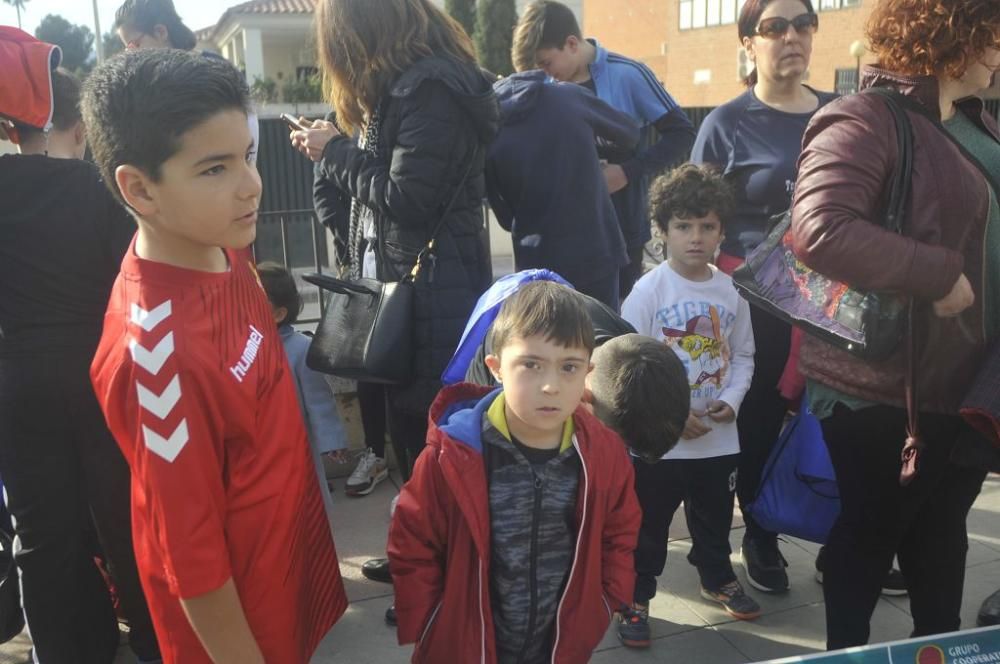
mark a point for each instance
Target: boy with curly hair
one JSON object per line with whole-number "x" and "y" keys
{"x": 692, "y": 307}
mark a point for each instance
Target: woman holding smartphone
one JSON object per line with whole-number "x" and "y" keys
{"x": 404, "y": 75}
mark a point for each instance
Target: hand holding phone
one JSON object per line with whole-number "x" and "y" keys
{"x": 292, "y": 122}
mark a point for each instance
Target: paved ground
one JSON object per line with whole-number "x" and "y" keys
{"x": 685, "y": 627}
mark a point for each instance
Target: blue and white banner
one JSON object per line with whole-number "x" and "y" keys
{"x": 975, "y": 646}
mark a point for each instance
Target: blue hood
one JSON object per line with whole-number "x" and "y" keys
{"x": 484, "y": 314}
{"x": 518, "y": 94}
{"x": 463, "y": 420}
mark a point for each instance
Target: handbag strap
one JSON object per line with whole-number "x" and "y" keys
{"x": 899, "y": 194}
{"x": 902, "y": 177}
{"x": 429, "y": 247}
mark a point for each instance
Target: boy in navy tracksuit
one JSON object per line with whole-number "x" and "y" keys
{"x": 558, "y": 210}
{"x": 548, "y": 37}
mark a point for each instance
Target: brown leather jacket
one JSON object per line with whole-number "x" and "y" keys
{"x": 849, "y": 152}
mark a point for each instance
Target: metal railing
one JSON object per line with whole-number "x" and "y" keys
{"x": 296, "y": 239}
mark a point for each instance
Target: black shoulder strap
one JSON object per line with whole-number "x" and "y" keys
{"x": 899, "y": 192}
{"x": 429, "y": 247}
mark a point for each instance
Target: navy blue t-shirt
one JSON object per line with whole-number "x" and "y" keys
{"x": 757, "y": 147}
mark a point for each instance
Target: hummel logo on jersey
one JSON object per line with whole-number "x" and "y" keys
{"x": 241, "y": 368}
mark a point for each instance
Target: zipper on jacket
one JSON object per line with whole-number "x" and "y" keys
{"x": 576, "y": 552}
{"x": 430, "y": 621}
{"x": 529, "y": 634}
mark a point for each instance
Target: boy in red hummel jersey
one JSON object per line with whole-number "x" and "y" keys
{"x": 233, "y": 543}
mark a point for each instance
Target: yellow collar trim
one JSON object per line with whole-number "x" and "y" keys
{"x": 497, "y": 416}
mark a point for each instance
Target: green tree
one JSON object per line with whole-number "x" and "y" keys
{"x": 495, "y": 21}
{"x": 112, "y": 44}
{"x": 17, "y": 5}
{"x": 76, "y": 41}
{"x": 463, "y": 11}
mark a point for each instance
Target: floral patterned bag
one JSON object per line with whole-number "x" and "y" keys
{"x": 868, "y": 324}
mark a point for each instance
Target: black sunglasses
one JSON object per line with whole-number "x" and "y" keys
{"x": 776, "y": 26}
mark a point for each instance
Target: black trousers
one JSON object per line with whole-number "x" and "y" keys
{"x": 763, "y": 411}
{"x": 630, "y": 272}
{"x": 604, "y": 289}
{"x": 371, "y": 402}
{"x": 706, "y": 487}
{"x": 923, "y": 524}
{"x": 64, "y": 475}
{"x": 408, "y": 433}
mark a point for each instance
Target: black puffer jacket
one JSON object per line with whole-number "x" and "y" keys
{"x": 440, "y": 115}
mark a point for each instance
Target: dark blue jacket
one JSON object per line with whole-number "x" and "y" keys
{"x": 544, "y": 179}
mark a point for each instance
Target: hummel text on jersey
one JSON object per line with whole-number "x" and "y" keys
{"x": 241, "y": 368}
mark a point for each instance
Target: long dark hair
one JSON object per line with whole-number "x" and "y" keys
{"x": 365, "y": 44}
{"x": 747, "y": 25}
{"x": 145, "y": 15}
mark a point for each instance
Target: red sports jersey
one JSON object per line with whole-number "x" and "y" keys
{"x": 196, "y": 388}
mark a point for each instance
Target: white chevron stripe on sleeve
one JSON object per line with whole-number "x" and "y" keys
{"x": 160, "y": 405}
{"x": 152, "y": 360}
{"x": 167, "y": 448}
{"x": 148, "y": 320}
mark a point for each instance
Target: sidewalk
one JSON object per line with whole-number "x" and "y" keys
{"x": 685, "y": 627}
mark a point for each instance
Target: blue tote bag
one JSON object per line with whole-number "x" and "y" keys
{"x": 798, "y": 493}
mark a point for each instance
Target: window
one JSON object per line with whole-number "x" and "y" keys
{"x": 714, "y": 12}
{"x": 685, "y": 14}
{"x": 709, "y": 13}
{"x": 698, "y": 17}
{"x": 850, "y": 3}
{"x": 846, "y": 81}
{"x": 728, "y": 12}
{"x": 829, "y": 4}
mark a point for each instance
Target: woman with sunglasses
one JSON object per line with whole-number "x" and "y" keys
{"x": 755, "y": 140}
{"x": 936, "y": 55}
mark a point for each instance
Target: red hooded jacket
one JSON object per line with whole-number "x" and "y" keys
{"x": 439, "y": 541}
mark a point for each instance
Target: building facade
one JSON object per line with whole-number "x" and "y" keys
{"x": 693, "y": 47}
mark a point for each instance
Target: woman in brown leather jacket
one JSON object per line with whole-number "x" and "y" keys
{"x": 937, "y": 53}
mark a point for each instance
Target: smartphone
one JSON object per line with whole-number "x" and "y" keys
{"x": 292, "y": 122}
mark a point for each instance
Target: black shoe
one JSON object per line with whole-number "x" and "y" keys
{"x": 893, "y": 585}
{"x": 633, "y": 627}
{"x": 390, "y": 616}
{"x": 734, "y": 600}
{"x": 989, "y": 612}
{"x": 377, "y": 569}
{"x": 764, "y": 565}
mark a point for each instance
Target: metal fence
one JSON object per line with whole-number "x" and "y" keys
{"x": 296, "y": 239}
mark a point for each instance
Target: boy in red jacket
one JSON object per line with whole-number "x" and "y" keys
{"x": 233, "y": 544}
{"x": 513, "y": 540}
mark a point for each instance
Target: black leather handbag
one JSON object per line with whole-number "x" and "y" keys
{"x": 868, "y": 324}
{"x": 366, "y": 333}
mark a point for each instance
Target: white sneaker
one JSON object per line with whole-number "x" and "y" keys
{"x": 370, "y": 471}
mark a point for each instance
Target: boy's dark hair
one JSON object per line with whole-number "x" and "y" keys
{"x": 544, "y": 24}
{"x": 145, "y": 15}
{"x": 690, "y": 191}
{"x": 65, "y": 104}
{"x": 544, "y": 308}
{"x": 640, "y": 389}
{"x": 279, "y": 285}
{"x": 138, "y": 105}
